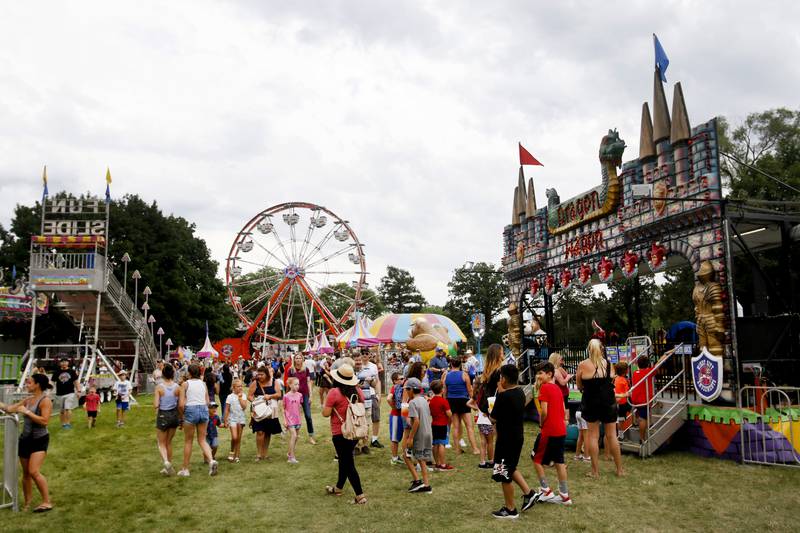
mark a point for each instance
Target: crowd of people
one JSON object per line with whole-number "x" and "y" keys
{"x": 450, "y": 403}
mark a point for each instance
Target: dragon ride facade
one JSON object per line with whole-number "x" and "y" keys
{"x": 657, "y": 211}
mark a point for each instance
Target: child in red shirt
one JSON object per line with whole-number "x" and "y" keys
{"x": 621, "y": 388}
{"x": 641, "y": 395}
{"x": 92, "y": 406}
{"x": 440, "y": 421}
{"x": 549, "y": 446}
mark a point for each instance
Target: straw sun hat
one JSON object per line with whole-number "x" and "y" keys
{"x": 344, "y": 375}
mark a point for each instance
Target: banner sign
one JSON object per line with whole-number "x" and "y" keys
{"x": 478, "y": 322}
{"x": 707, "y": 375}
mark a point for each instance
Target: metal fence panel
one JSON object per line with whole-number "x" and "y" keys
{"x": 10, "y": 474}
{"x": 770, "y": 426}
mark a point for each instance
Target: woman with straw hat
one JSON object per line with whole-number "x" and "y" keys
{"x": 345, "y": 387}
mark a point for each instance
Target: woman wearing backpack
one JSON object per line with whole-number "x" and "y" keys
{"x": 336, "y": 408}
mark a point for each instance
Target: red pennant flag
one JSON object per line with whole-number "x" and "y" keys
{"x": 525, "y": 157}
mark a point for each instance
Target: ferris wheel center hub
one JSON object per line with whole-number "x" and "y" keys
{"x": 293, "y": 271}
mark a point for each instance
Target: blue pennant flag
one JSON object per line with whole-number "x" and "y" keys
{"x": 44, "y": 182}
{"x": 108, "y": 186}
{"x": 662, "y": 61}
{"x": 206, "y": 328}
{"x": 13, "y": 272}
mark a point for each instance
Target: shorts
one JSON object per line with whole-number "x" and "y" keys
{"x": 376, "y": 410}
{"x": 293, "y": 426}
{"x": 582, "y": 424}
{"x": 395, "y": 428}
{"x": 31, "y": 445}
{"x": 548, "y": 450}
{"x": 439, "y": 435}
{"x": 486, "y": 429}
{"x": 195, "y": 414}
{"x": 236, "y": 418}
{"x": 67, "y": 402}
{"x": 122, "y": 405}
{"x": 458, "y": 406}
{"x": 641, "y": 412}
{"x": 425, "y": 454}
{"x": 91, "y": 414}
{"x": 623, "y": 409}
{"x": 602, "y": 414}
{"x": 506, "y": 459}
{"x": 167, "y": 419}
{"x": 212, "y": 441}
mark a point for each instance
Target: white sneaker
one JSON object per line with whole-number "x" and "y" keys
{"x": 462, "y": 443}
{"x": 183, "y": 473}
{"x": 448, "y": 446}
{"x": 560, "y": 499}
{"x": 212, "y": 468}
{"x": 547, "y": 495}
{"x": 292, "y": 461}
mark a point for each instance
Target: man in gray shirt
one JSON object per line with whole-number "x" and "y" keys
{"x": 419, "y": 445}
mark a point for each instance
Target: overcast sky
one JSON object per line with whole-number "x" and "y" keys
{"x": 401, "y": 117}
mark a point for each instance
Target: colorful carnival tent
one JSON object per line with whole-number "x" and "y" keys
{"x": 357, "y": 335}
{"x": 323, "y": 346}
{"x": 397, "y": 327}
{"x": 207, "y": 350}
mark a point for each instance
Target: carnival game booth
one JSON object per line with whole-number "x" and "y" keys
{"x": 662, "y": 210}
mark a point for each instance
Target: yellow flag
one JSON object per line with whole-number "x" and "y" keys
{"x": 108, "y": 175}
{"x": 44, "y": 176}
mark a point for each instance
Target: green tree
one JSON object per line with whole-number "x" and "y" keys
{"x": 573, "y": 313}
{"x": 399, "y": 292}
{"x": 674, "y": 302}
{"x": 339, "y": 297}
{"x": 480, "y": 289}
{"x": 767, "y": 142}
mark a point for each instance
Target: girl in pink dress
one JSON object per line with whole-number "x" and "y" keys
{"x": 292, "y": 406}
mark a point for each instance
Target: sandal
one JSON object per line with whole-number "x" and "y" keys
{"x": 330, "y": 490}
{"x": 259, "y": 458}
{"x": 359, "y": 500}
{"x": 235, "y": 459}
{"x": 43, "y": 508}
{"x": 230, "y": 457}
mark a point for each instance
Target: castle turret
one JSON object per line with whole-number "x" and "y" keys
{"x": 680, "y": 134}
{"x": 647, "y": 148}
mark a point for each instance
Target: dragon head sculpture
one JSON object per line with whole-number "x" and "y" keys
{"x": 611, "y": 148}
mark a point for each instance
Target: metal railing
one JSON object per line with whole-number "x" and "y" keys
{"x": 69, "y": 261}
{"x": 770, "y": 426}
{"x": 117, "y": 295}
{"x": 656, "y": 430}
{"x": 10, "y": 488}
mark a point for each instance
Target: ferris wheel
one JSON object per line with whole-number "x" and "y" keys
{"x": 294, "y": 270}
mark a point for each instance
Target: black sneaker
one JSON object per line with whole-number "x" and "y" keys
{"x": 376, "y": 444}
{"x": 425, "y": 488}
{"x": 415, "y": 485}
{"x": 529, "y": 500}
{"x": 485, "y": 465}
{"x": 503, "y": 512}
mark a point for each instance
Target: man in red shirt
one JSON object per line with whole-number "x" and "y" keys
{"x": 549, "y": 446}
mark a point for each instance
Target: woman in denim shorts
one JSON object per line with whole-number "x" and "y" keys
{"x": 194, "y": 404}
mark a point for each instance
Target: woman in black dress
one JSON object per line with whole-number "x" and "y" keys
{"x": 265, "y": 385}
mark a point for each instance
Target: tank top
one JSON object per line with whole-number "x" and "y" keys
{"x": 267, "y": 389}
{"x": 456, "y": 386}
{"x": 599, "y": 390}
{"x": 32, "y": 429}
{"x": 168, "y": 400}
{"x": 196, "y": 392}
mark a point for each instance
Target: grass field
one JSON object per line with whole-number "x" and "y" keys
{"x": 107, "y": 479}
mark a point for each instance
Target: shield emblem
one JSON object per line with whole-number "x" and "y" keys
{"x": 707, "y": 375}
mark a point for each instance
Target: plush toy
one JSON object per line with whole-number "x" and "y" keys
{"x": 425, "y": 337}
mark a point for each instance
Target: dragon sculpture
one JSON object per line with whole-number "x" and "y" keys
{"x": 598, "y": 202}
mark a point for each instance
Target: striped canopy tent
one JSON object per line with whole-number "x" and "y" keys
{"x": 396, "y": 327}
{"x": 323, "y": 346}
{"x": 312, "y": 349}
{"x": 357, "y": 335}
{"x": 207, "y": 350}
